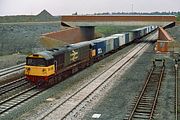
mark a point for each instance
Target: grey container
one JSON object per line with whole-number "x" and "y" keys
{"x": 109, "y": 43}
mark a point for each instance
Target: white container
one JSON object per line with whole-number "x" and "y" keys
{"x": 131, "y": 36}
{"x": 109, "y": 43}
{"x": 121, "y": 38}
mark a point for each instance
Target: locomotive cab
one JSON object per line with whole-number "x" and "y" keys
{"x": 39, "y": 67}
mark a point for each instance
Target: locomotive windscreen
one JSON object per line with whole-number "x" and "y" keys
{"x": 36, "y": 62}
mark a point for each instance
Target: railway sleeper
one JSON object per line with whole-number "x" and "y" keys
{"x": 141, "y": 114}
{"x": 150, "y": 93}
{"x": 144, "y": 108}
{"x": 147, "y": 97}
{"x": 145, "y": 104}
{"x": 21, "y": 97}
{"x": 143, "y": 111}
{"x": 147, "y": 101}
{"x": 141, "y": 117}
{"x": 3, "y": 107}
{"x": 134, "y": 118}
{"x": 11, "y": 102}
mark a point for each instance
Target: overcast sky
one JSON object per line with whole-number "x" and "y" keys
{"x": 67, "y": 7}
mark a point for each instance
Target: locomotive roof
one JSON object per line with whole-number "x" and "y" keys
{"x": 85, "y": 43}
{"x": 48, "y": 54}
{"x": 98, "y": 40}
{"x": 45, "y": 54}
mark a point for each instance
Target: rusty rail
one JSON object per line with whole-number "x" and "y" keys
{"x": 176, "y": 91}
{"x": 146, "y": 103}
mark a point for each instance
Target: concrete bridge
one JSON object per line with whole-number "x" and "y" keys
{"x": 82, "y": 28}
{"x": 125, "y": 20}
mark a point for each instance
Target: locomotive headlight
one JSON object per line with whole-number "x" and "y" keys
{"x": 28, "y": 69}
{"x": 44, "y": 70}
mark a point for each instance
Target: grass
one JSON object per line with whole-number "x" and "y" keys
{"x": 178, "y": 18}
{"x": 109, "y": 30}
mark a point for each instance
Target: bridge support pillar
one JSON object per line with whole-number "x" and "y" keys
{"x": 87, "y": 32}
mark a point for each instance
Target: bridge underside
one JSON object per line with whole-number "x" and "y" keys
{"x": 117, "y": 23}
{"x": 95, "y": 20}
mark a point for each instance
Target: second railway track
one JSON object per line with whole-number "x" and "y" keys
{"x": 12, "y": 85}
{"x": 177, "y": 91}
{"x": 12, "y": 69}
{"x": 145, "y": 104}
{"x": 18, "y": 98}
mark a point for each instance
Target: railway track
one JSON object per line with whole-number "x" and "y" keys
{"x": 18, "y": 98}
{"x": 12, "y": 69}
{"x": 73, "y": 101}
{"x": 145, "y": 104}
{"x": 177, "y": 91}
{"x": 12, "y": 85}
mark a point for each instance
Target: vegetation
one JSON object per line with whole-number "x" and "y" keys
{"x": 178, "y": 18}
{"x": 139, "y": 13}
{"x": 109, "y": 30}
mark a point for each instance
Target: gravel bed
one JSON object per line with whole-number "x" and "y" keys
{"x": 11, "y": 77}
{"x": 116, "y": 103}
{"x": 125, "y": 88}
{"x": 166, "y": 101}
{"x": 63, "y": 89}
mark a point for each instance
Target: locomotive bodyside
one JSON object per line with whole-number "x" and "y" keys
{"x": 42, "y": 67}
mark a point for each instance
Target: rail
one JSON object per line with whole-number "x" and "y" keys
{"x": 13, "y": 85}
{"x": 11, "y": 69}
{"x": 19, "y": 98}
{"x": 176, "y": 90}
{"x": 146, "y": 103}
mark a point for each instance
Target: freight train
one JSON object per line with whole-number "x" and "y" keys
{"x": 50, "y": 66}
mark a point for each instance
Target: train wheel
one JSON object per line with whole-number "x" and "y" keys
{"x": 74, "y": 70}
{"x": 40, "y": 83}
